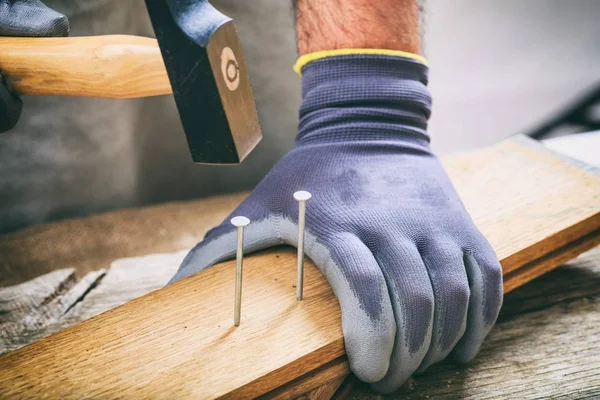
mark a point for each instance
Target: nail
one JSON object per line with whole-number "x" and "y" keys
{"x": 239, "y": 222}
{"x": 301, "y": 197}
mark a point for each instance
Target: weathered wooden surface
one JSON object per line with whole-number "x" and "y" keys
{"x": 89, "y": 244}
{"x": 42, "y": 306}
{"x": 545, "y": 345}
{"x": 45, "y": 305}
{"x": 322, "y": 382}
{"x": 169, "y": 340}
{"x": 35, "y": 309}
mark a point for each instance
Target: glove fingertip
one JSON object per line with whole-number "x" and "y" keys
{"x": 50, "y": 23}
{"x": 59, "y": 26}
{"x": 464, "y": 353}
{"x": 485, "y": 279}
{"x": 369, "y": 365}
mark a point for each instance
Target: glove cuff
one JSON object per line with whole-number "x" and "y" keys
{"x": 378, "y": 96}
{"x": 317, "y": 55}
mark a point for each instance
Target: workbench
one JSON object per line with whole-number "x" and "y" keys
{"x": 546, "y": 342}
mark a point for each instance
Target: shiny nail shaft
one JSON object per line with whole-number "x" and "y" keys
{"x": 238, "y": 276}
{"x": 239, "y": 222}
{"x": 300, "y": 265}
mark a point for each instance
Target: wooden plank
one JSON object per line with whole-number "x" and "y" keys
{"x": 180, "y": 340}
{"x": 92, "y": 243}
{"x": 549, "y": 261}
{"x": 317, "y": 383}
{"x": 574, "y": 280}
{"x": 323, "y": 392}
{"x": 346, "y": 388}
{"x": 37, "y": 308}
{"x": 545, "y": 345}
{"x": 126, "y": 280}
{"x": 524, "y": 214}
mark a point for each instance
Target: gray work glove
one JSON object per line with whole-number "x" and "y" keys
{"x": 24, "y": 18}
{"x": 414, "y": 277}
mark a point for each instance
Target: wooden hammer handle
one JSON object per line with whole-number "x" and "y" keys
{"x": 111, "y": 66}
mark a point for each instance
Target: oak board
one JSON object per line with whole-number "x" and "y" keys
{"x": 180, "y": 342}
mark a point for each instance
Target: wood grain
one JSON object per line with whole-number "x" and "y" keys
{"x": 180, "y": 341}
{"x": 110, "y": 66}
{"x": 35, "y": 309}
{"x": 536, "y": 201}
{"x": 549, "y": 261}
{"x": 92, "y": 243}
{"x": 324, "y": 392}
{"x": 315, "y": 384}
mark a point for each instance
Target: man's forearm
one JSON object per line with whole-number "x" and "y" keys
{"x": 337, "y": 24}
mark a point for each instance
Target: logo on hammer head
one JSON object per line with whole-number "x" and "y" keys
{"x": 230, "y": 69}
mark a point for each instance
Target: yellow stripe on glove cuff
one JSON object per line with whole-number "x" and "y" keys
{"x": 317, "y": 55}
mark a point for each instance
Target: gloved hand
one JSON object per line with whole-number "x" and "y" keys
{"x": 414, "y": 277}
{"x": 24, "y": 18}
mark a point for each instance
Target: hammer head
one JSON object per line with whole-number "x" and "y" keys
{"x": 203, "y": 58}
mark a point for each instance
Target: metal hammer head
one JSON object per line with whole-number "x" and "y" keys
{"x": 203, "y": 57}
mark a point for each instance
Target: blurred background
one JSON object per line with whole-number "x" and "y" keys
{"x": 504, "y": 67}
{"x": 498, "y": 68}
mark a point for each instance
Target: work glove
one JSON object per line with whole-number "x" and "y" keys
{"x": 24, "y": 18}
{"x": 414, "y": 277}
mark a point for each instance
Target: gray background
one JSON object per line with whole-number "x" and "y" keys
{"x": 497, "y": 68}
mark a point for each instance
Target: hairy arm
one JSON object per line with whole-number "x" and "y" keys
{"x": 343, "y": 24}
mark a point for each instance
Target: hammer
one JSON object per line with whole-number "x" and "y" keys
{"x": 205, "y": 71}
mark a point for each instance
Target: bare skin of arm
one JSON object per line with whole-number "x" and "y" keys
{"x": 367, "y": 24}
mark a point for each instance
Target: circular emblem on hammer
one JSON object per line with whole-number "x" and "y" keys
{"x": 230, "y": 69}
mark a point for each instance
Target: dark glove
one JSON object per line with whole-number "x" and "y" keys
{"x": 10, "y": 106}
{"x": 414, "y": 277}
{"x": 24, "y": 18}
{"x": 31, "y": 18}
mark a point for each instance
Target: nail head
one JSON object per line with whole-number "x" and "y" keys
{"x": 302, "y": 195}
{"x": 240, "y": 221}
